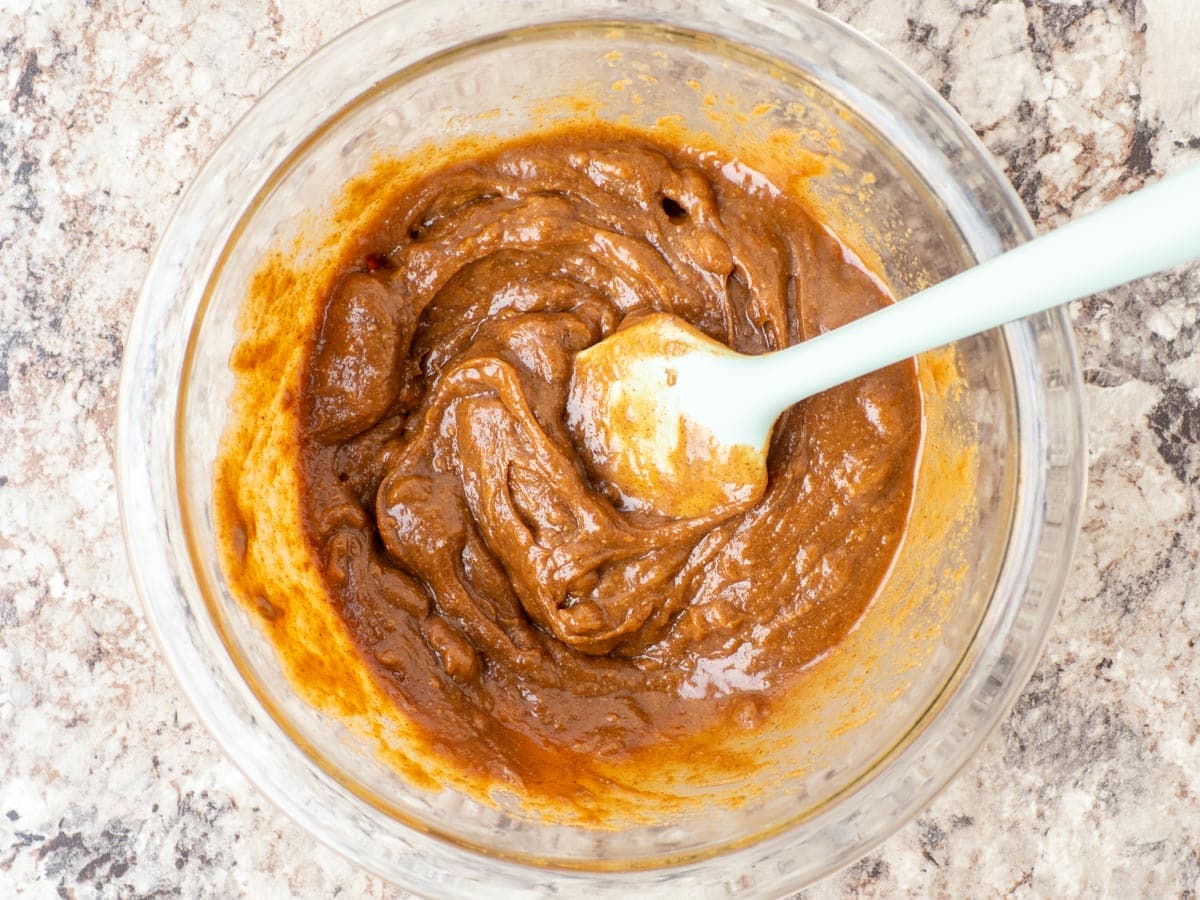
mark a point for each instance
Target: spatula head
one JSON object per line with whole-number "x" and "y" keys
{"x": 645, "y": 409}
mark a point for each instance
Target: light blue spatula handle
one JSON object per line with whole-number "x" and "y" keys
{"x": 1142, "y": 233}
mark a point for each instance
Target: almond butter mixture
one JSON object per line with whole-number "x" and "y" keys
{"x": 511, "y": 608}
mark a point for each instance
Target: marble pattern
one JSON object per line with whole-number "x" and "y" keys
{"x": 109, "y": 786}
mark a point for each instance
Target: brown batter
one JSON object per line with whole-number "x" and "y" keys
{"x": 510, "y": 607}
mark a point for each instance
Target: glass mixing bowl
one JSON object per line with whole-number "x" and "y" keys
{"x": 919, "y": 190}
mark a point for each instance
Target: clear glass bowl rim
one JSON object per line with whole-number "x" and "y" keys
{"x": 994, "y": 674}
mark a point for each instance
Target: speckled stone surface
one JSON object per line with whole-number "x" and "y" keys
{"x": 110, "y": 787}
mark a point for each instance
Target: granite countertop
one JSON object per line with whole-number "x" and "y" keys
{"x": 108, "y": 784}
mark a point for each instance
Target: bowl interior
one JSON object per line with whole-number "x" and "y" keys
{"x": 642, "y": 75}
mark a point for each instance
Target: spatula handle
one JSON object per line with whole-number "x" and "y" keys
{"x": 1142, "y": 233}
